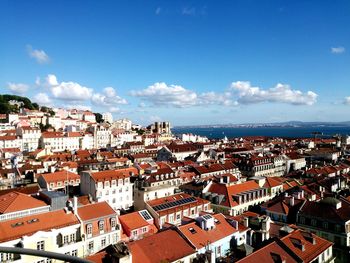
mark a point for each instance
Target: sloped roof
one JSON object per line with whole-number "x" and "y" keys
{"x": 15, "y": 201}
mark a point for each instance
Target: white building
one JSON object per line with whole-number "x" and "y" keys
{"x": 123, "y": 124}
{"x": 107, "y": 117}
{"x": 113, "y": 186}
{"x": 58, "y": 141}
{"x": 30, "y": 138}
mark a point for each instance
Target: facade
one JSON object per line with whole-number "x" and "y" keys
{"x": 99, "y": 227}
{"x": 112, "y": 186}
{"x": 57, "y": 231}
{"x": 30, "y": 138}
{"x": 59, "y": 180}
{"x": 172, "y": 209}
{"x": 137, "y": 225}
{"x": 234, "y": 199}
{"x": 212, "y": 235}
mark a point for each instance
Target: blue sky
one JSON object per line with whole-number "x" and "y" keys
{"x": 189, "y": 62}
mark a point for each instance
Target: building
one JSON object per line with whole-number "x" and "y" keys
{"x": 234, "y": 199}
{"x": 137, "y": 225}
{"x": 56, "y": 231}
{"x": 112, "y": 186}
{"x": 172, "y": 209}
{"x": 166, "y": 246}
{"x": 30, "y": 138}
{"x": 297, "y": 246}
{"x": 156, "y": 182}
{"x": 211, "y": 235}
{"x": 60, "y": 180}
{"x": 59, "y": 141}
{"x": 107, "y": 117}
{"x": 329, "y": 219}
{"x": 15, "y": 205}
{"x": 99, "y": 226}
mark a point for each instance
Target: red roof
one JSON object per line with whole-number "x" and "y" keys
{"x": 60, "y": 176}
{"x": 15, "y": 201}
{"x": 166, "y": 246}
{"x": 114, "y": 174}
{"x": 199, "y": 237}
{"x": 28, "y": 225}
{"x": 94, "y": 211}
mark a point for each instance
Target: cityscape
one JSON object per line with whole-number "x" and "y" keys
{"x": 174, "y": 131}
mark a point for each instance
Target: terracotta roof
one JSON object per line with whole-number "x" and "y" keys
{"x": 271, "y": 253}
{"x": 94, "y": 211}
{"x": 229, "y": 190}
{"x": 15, "y": 201}
{"x": 114, "y": 174}
{"x": 166, "y": 246}
{"x": 133, "y": 220}
{"x": 199, "y": 237}
{"x": 26, "y": 226}
{"x": 311, "y": 249}
{"x": 60, "y": 176}
{"x": 271, "y": 182}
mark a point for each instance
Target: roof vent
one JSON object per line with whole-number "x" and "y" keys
{"x": 17, "y": 224}
{"x": 34, "y": 220}
{"x": 192, "y": 230}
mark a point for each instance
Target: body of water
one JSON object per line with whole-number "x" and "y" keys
{"x": 290, "y": 132}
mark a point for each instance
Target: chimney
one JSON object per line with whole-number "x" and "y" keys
{"x": 291, "y": 201}
{"x": 246, "y": 222}
{"x": 75, "y": 205}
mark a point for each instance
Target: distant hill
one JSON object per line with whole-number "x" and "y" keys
{"x": 6, "y": 107}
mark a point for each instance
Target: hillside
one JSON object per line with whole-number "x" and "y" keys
{"x": 6, "y": 107}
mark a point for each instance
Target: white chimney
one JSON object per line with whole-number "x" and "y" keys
{"x": 246, "y": 222}
{"x": 75, "y": 204}
{"x": 291, "y": 201}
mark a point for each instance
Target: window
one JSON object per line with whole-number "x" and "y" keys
{"x": 89, "y": 229}
{"x": 75, "y": 253}
{"x": 144, "y": 230}
{"x": 103, "y": 242}
{"x": 313, "y": 222}
{"x": 178, "y": 216}
{"x": 101, "y": 225}
{"x": 302, "y": 220}
{"x": 113, "y": 223}
{"x": 40, "y": 245}
{"x": 134, "y": 233}
{"x": 91, "y": 246}
{"x": 72, "y": 237}
{"x": 65, "y": 239}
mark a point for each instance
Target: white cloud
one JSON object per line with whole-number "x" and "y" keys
{"x": 240, "y": 92}
{"x": 67, "y": 90}
{"x": 280, "y": 93}
{"x": 347, "y": 100}
{"x": 39, "y": 55}
{"x": 42, "y": 99}
{"x": 337, "y": 50}
{"x": 109, "y": 97}
{"x": 17, "y": 88}
{"x": 160, "y": 94}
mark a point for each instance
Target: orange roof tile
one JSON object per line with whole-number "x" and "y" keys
{"x": 133, "y": 221}
{"x": 26, "y": 226}
{"x": 114, "y": 174}
{"x": 60, "y": 176}
{"x": 166, "y": 246}
{"x": 15, "y": 201}
{"x": 97, "y": 210}
{"x": 200, "y": 238}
